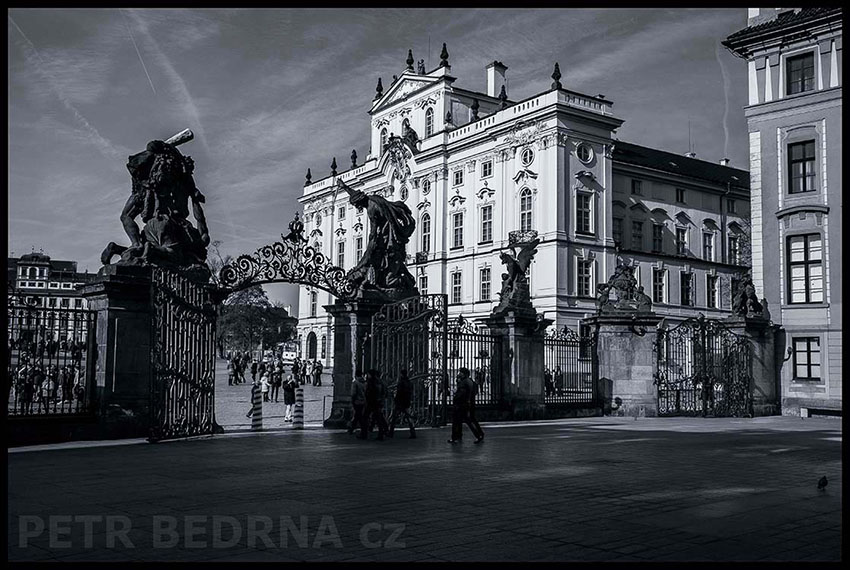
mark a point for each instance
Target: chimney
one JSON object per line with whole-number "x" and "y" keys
{"x": 724, "y": 162}
{"x": 691, "y": 154}
{"x": 496, "y": 78}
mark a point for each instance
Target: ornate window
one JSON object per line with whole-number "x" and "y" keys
{"x": 423, "y": 284}
{"x": 318, "y": 219}
{"x": 659, "y": 285}
{"x": 735, "y": 250}
{"x": 486, "y": 169}
{"x": 525, "y": 210}
{"x": 487, "y": 224}
{"x": 314, "y": 303}
{"x": 584, "y": 213}
{"x": 456, "y": 287}
{"x": 800, "y": 73}
{"x": 711, "y": 300}
{"x": 801, "y": 167}
{"x": 341, "y": 213}
{"x": 340, "y": 254}
{"x": 485, "y": 283}
{"x": 404, "y": 193}
{"x": 426, "y": 186}
{"x": 584, "y": 153}
{"x": 681, "y": 241}
{"x": 657, "y": 238}
{"x": 429, "y": 121}
{"x": 383, "y": 140}
{"x": 806, "y": 358}
{"x": 584, "y": 278}
{"x": 708, "y": 246}
{"x": 457, "y": 230}
{"x": 426, "y": 232}
{"x": 358, "y": 248}
{"x": 458, "y": 177}
{"x": 686, "y": 289}
{"x": 805, "y": 269}
{"x": 526, "y": 156}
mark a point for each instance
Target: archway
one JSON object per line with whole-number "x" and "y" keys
{"x": 311, "y": 346}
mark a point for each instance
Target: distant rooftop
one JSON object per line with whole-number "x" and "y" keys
{"x": 679, "y": 164}
{"x": 781, "y": 21}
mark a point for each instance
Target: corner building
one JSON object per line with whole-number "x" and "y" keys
{"x": 793, "y": 60}
{"x": 484, "y": 166}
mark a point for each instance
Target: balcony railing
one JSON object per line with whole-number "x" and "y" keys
{"x": 519, "y": 237}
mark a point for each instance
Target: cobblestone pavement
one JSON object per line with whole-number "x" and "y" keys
{"x": 233, "y": 402}
{"x": 584, "y": 489}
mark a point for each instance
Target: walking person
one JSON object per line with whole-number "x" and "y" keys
{"x": 317, "y": 373}
{"x": 255, "y": 387}
{"x": 375, "y": 395}
{"x": 358, "y": 401}
{"x": 254, "y": 369}
{"x": 264, "y": 386}
{"x": 289, "y": 396}
{"x": 401, "y": 404}
{"x": 277, "y": 380}
{"x": 462, "y": 401}
{"x": 230, "y": 373}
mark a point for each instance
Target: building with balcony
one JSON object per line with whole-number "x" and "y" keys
{"x": 474, "y": 167}
{"x": 793, "y": 58}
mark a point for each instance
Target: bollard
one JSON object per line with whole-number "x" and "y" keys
{"x": 298, "y": 412}
{"x": 257, "y": 410}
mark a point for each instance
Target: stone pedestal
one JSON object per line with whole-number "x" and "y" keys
{"x": 522, "y": 361}
{"x": 627, "y": 363}
{"x": 121, "y": 297}
{"x": 352, "y": 324}
{"x": 761, "y": 334}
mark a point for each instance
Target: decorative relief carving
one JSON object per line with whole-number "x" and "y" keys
{"x": 470, "y": 166}
{"x": 523, "y": 133}
{"x": 425, "y": 101}
{"x": 456, "y": 199}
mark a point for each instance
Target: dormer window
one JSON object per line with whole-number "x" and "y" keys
{"x": 800, "y": 71}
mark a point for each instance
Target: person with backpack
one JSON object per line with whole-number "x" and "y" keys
{"x": 401, "y": 404}
{"x": 358, "y": 402}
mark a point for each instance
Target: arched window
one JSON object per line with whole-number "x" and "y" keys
{"x": 324, "y": 352}
{"x": 311, "y": 346}
{"x": 429, "y": 122}
{"x": 383, "y": 140}
{"x": 314, "y": 302}
{"x": 426, "y": 232}
{"x": 525, "y": 210}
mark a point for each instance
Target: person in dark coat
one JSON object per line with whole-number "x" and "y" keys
{"x": 317, "y": 373}
{"x": 401, "y": 404}
{"x": 461, "y": 407}
{"x": 358, "y": 401}
{"x": 375, "y": 395}
{"x": 254, "y": 370}
{"x": 289, "y": 396}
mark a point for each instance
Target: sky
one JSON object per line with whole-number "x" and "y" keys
{"x": 271, "y": 92}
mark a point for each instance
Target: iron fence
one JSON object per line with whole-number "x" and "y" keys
{"x": 476, "y": 349}
{"x": 569, "y": 367}
{"x": 50, "y": 358}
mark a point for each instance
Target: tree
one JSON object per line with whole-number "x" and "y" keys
{"x": 215, "y": 261}
{"x": 247, "y": 318}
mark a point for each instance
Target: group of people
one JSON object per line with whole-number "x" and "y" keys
{"x": 553, "y": 381}
{"x": 270, "y": 390}
{"x": 369, "y": 395}
{"x": 303, "y": 371}
{"x": 45, "y": 388}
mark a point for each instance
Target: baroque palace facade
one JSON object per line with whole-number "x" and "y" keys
{"x": 793, "y": 59}
{"x": 473, "y": 167}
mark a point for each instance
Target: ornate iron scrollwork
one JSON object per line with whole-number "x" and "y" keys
{"x": 291, "y": 260}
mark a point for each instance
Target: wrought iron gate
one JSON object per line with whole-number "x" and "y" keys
{"x": 411, "y": 335}
{"x": 182, "y": 357}
{"x": 570, "y": 367}
{"x": 702, "y": 368}
{"x": 480, "y": 351}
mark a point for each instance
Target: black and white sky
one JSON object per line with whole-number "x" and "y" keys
{"x": 271, "y": 92}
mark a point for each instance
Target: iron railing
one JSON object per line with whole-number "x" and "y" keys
{"x": 475, "y": 348}
{"x": 569, "y": 367}
{"x": 51, "y": 355}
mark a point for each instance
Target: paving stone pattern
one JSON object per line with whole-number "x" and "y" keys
{"x": 585, "y": 489}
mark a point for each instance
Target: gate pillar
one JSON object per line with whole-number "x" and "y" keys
{"x": 121, "y": 297}
{"x": 352, "y": 325}
{"x": 761, "y": 334}
{"x": 626, "y": 361}
{"x": 522, "y": 360}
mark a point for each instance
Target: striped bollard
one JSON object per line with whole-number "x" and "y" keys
{"x": 298, "y": 412}
{"x": 257, "y": 410}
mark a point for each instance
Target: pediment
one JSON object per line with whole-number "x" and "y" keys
{"x": 403, "y": 89}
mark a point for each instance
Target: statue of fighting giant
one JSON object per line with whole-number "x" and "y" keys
{"x": 390, "y": 226}
{"x": 162, "y": 189}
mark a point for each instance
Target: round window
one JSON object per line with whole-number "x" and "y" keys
{"x": 584, "y": 153}
{"x": 426, "y": 186}
{"x": 403, "y": 193}
{"x": 527, "y": 156}
{"x": 318, "y": 219}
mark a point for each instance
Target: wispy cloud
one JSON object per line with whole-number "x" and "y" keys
{"x": 138, "y": 53}
{"x": 35, "y": 59}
